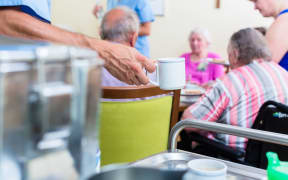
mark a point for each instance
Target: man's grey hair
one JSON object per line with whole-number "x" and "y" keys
{"x": 250, "y": 45}
{"x": 203, "y": 32}
{"x": 120, "y": 30}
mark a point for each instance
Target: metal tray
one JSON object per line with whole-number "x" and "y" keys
{"x": 178, "y": 161}
{"x": 138, "y": 173}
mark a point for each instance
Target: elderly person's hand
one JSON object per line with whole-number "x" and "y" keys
{"x": 125, "y": 63}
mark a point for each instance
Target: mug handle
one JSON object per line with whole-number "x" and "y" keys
{"x": 157, "y": 76}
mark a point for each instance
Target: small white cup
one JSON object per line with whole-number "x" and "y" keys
{"x": 206, "y": 169}
{"x": 170, "y": 73}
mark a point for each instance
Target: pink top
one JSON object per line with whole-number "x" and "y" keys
{"x": 202, "y": 71}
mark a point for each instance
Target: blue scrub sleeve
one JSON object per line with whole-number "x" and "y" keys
{"x": 39, "y": 9}
{"x": 144, "y": 11}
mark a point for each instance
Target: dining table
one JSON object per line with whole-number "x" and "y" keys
{"x": 192, "y": 92}
{"x": 188, "y": 97}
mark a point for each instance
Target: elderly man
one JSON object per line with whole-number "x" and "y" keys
{"x": 277, "y": 33}
{"x": 119, "y": 25}
{"x": 145, "y": 14}
{"x": 236, "y": 98}
{"x": 31, "y": 19}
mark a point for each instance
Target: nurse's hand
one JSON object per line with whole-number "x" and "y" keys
{"x": 125, "y": 63}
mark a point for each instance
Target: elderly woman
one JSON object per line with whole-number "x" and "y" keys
{"x": 198, "y": 68}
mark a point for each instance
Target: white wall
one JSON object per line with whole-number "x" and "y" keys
{"x": 75, "y": 15}
{"x": 170, "y": 32}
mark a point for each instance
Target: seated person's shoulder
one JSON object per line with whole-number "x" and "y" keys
{"x": 213, "y": 55}
{"x": 109, "y": 80}
{"x": 184, "y": 54}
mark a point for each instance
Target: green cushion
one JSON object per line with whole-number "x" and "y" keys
{"x": 130, "y": 131}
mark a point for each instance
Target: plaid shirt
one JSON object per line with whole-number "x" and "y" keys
{"x": 236, "y": 98}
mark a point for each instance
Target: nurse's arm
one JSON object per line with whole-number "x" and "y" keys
{"x": 277, "y": 38}
{"x": 145, "y": 29}
{"x": 18, "y": 24}
{"x": 121, "y": 61}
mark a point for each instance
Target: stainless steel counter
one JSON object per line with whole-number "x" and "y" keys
{"x": 178, "y": 159}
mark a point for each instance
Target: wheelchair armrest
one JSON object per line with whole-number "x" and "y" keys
{"x": 222, "y": 149}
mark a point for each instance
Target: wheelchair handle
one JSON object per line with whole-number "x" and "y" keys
{"x": 265, "y": 136}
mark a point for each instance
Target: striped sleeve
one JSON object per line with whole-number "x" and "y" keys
{"x": 209, "y": 107}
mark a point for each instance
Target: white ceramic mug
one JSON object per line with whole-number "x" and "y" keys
{"x": 206, "y": 169}
{"x": 170, "y": 73}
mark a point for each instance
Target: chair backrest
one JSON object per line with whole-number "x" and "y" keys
{"x": 136, "y": 129}
{"x": 273, "y": 117}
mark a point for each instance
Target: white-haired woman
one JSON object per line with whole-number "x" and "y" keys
{"x": 198, "y": 68}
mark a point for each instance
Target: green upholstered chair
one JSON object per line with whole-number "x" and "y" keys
{"x": 132, "y": 130}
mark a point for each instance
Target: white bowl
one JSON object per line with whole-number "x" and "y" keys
{"x": 206, "y": 169}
